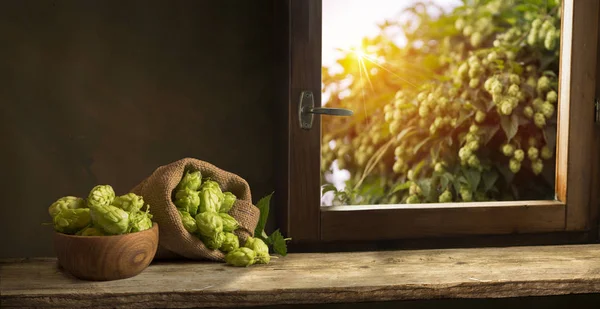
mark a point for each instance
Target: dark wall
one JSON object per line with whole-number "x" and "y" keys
{"x": 103, "y": 92}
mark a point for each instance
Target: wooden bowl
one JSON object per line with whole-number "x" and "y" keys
{"x": 102, "y": 258}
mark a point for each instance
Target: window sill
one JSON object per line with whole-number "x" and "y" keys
{"x": 309, "y": 278}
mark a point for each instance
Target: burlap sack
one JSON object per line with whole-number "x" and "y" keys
{"x": 174, "y": 240}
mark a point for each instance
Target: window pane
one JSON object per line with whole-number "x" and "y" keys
{"x": 454, "y": 101}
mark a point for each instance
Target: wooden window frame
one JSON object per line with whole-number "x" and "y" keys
{"x": 297, "y": 195}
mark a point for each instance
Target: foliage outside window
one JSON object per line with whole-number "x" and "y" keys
{"x": 464, "y": 111}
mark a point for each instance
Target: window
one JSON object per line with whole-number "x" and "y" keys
{"x": 300, "y": 210}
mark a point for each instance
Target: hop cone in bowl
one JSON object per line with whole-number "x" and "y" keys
{"x": 129, "y": 202}
{"x": 66, "y": 202}
{"x": 91, "y": 231}
{"x": 111, "y": 219}
{"x": 139, "y": 221}
{"x": 101, "y": 195}
{"x": 69, "y": 221}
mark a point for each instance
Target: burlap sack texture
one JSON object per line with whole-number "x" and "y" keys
{"x": 174, "y": 240}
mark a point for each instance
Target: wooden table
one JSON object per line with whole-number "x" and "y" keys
{"x": 315, "y": 279}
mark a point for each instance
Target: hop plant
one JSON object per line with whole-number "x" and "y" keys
{"x": 129, "y": 202}
{"x": 229, "y": 222}
{"x": 187, "y": 200}
{"x": 230, "y": 242}
{"x": 261, "y": 249}
{"x": 139, "y": 221}
{"x": 91, "y": 231}
{"x": 189, "y": 223}
{"x": 66, "y": 202}
{"x": 191, "y": 180}
{"x": 101, "y": 195}
{"x": 209, "y": 224}
{"x": 69, "y": 221}
{"x": 112, "y": 220}
{"x": 211, "y": 198}
{"x": 228, "y": 201}
{"x": 214, "y": 241}
{"x": 241, "y": 257}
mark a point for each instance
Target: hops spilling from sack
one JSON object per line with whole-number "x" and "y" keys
{"x": 204, "y": 211}
{"x": 100, "y": 214}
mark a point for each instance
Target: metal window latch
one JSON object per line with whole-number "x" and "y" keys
{"x": 307, "y": 110}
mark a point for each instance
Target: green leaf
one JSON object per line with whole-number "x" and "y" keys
{"x": 489, "y": 179}
{"x": 279, "y": 243}
{"x": 328, "y": 187}
{"x": 487, "y": 132}
{"x": 510, "y": 125}
{"x": 263, "y": 205}
{"x": 473, "y": 178}
{"x": 401, "y": 186}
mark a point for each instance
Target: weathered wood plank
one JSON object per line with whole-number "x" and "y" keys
{"x": 316, "y": 278}
{"x": 346, "y": 223}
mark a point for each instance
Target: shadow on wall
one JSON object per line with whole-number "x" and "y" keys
{"x": 103, "y": 92}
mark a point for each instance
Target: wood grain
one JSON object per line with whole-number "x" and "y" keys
{"x": 106, "y": 258}
{"x": 402, "y": 221}
{"x": 579, "y": 136}
{"x": 304, "y": 155}
{"x": 317, "y": 279}
{"x": 283, "y": 105}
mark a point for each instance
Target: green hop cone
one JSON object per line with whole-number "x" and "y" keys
{"x": 508, "y": 150}
{"x": 546, "y": 153}
{"x": 540, "y": 120}
{"x": 129, "y": 202}
{"x": 445, "y": 197}
{"x": 111, "y": 219}
{"x": 187, "y": 200}
{"x": 66, "y": 202}
{"x": 189, "y": 223}
{"x": 228, "y": 201}
{"x": 101, "y": 195}
{"x": 465, "y": 194}
{"x": 139, "y": 221}
{"x": 552, "y": 96}
{"x": 241, "y": 257}
{"x": 69, "y": 221}
{"x": 214, "y": 242}
{"x": 514, "y": 165}
{"x": 519, "y": 155}
{"x": 209, "y": 224}
{"x": 229, "y": 222}
{"x": 230, "y": 242}
{"x": 537, "y": 166}
{"x": 91, "y": 231}
{"x": 191, "y": 180}
{"x": 533, "y": 153}
{"x": 261, "y": 249}
{"x": 211, "y": 198}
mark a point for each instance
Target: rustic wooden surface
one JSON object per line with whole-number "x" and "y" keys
{"x": 316, "y": 278}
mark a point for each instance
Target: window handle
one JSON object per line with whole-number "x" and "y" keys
{"x": 307, "y": 110}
